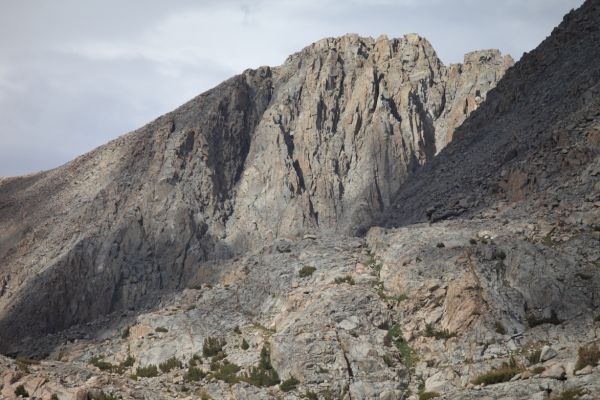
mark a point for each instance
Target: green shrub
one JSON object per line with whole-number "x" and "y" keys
{"x": 125, "y": 334}
{"x": 101, "y": 396}
{"x": 407, "y": 354}
{"x": 552, "y": 319}
{"x": 428, "y": 395}
{"x": 170, "y": 364}
{"x": 440, "y": 245}
{"x": 572, "y": 394}
{"x": 237, "y": 330}
{"x": 499, "y": 328}
{"x": 191, "y": 307}
{"x": 430, "y": 331}
{"x": 54, "y": 397}
{"x": 24, "y": 363}
{"x": 227, "y": 372}
{"x": 306, "y": 271}
{"x": 102, "y": 365}
{"x": 212, "y": 346}
{"x": 388, "y": 360}
{"x": 148, "y": 371}
{"x": 194, "y": 360}
{"x": 534, "y": 356}
{"x": 20, "y": 391}
{"x": 344, "y": 279}
{"x": 264, "y": 374}
{"x": 587, "y": 355}
{"x": 498, "y": 375}
{"x": 538, "y": 370}
{"x": 161, "y": 329}
{"x": 194, "y": 374}
{"x": 310, "y": 395}
{"x": 289, "y": 384}
{"x": 265, "y": 331}
{"x": 245, "y": 345}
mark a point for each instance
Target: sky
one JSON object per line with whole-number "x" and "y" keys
{"x": 75, "y": 74}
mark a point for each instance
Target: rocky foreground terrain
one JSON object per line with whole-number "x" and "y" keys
{"x": 361, "y": 222}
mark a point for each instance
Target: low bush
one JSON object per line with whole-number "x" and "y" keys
{"x": 534, "y": 356}
{"x": 245, "y": 345}
{"x": 289, "y": 384}
{"x": 571, "y": 394}
{"x": 194, "y": 374}
{"x": 498, "y": 375}
{"x": 587, "y": 355}
{"x": 227, "y": 372}
{"x": 264, "y": 374}
{"x": 306, "y": 271}
{"x": 430, "y": 331}
{"x": 101, "y": 396}
{"x": 428, "y": 395}
{"x": 20, "y": 391}
{"x": 161, "y": 329}
{"x": 534, "y": 321}
{"x": 170, "y": 364}
{"x": 407, "y": 354}
{"x": 345, "y": 279}
{"x": 212, "y": 346}
{"x": 499, "y": 328}
{"x": 148, "y": 371}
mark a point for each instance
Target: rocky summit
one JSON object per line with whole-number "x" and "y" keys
{"x": 361, "y": 222}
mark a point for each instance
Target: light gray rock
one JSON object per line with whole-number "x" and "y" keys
{"x": 547, "y": 353}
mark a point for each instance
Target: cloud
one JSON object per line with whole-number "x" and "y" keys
{"x": 75, "y": 74}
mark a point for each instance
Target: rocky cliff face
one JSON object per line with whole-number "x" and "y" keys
{"x": 318, "y": 144}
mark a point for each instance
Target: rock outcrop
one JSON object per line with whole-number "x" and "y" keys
{"x": 320, "y": 143}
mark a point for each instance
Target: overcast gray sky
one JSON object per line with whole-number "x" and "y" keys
{"x": 75, "y": 74}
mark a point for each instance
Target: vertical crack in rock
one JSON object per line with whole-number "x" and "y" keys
{"x": 348, "y": 365}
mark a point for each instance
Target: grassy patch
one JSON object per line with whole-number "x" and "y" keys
{"x": 289, "y": 384}
{"x": 264, "y": 374}
{"x": 533, "y": 356}
{"x": 21, "y": 391}
{"x": 587, "y": 355}
{"x": 552, "y": 319}
{"x": 149, "y": 371}
{"x": 538, "y": 370}
{"x": 499, "y": 328}
{"x": 266, "y": 331}
{"x": 120, "y": 368}
{"x": 212, "y": 346}
{"x": 428, "y": 395}
{"x": 498, "y": 375}
{"x": 194, "y": 374}
{"x": 407, "y": 354}
{"x": 170, "y": 364}
{"x": 571, "y": 394}
{"x": 227, "y": 372}
{"x": 344, "y": 279}
{"x": 102, "y": 396}
{"x": 430, "y": 331}
{"x": 306, "y": 271}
